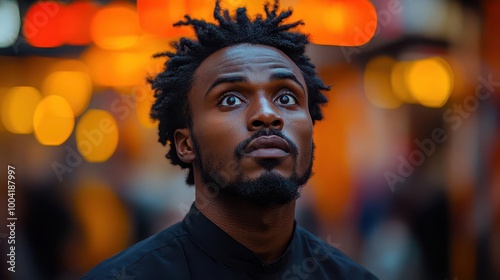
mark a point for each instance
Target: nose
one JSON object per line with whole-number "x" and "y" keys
{"x": 265, "y": 115}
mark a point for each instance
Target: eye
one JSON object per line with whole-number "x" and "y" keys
{"x": 230, "y": 100}
{"x": 286, "y": 98}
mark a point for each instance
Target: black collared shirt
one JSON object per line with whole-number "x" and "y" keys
{"x": 198, "y": 249}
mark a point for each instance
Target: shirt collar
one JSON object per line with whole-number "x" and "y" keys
{"x": 222, "y": 247}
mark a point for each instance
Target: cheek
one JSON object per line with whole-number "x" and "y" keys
{"x": 303, "y": 139}
{"x": 306, "y": 143}
{"x": 301, "y": 128}
{"x": 216, "y": 137}
{"x": 305, "y": 158}
{"x": 217, "y": 140}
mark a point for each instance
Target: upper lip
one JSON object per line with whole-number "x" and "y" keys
{"x": 268, "y": 142}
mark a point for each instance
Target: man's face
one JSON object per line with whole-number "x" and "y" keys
{"x": 251, "y": 127}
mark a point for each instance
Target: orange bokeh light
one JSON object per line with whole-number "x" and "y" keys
{"x": 78, "y": 17}
{"x": 52, "y": 24}
{"x": 118, "y": 25}
{"x": 158, "y": 16}
{"x": 115, "y": 68}
{"x": 42, "y": 24}
{"x": 339, "y": 22}
{"x": 105, "y": 225}
{"x": 127, "y": 67}
{"x": 115, "y": 26}
{"x": 334, "y": 179}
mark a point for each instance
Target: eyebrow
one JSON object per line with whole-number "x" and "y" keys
{"x": 238, "y": 79}
{"x": 286, "y": 76}
{"x": 226, "y": 79}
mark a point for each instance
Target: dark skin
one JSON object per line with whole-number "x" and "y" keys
{"x": 236, "y": 92}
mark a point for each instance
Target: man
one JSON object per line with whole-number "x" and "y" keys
{"x": 237, "y": 108}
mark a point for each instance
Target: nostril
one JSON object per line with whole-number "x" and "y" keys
{"x": 257, "y": 123}
{"x": 276, "y": 123}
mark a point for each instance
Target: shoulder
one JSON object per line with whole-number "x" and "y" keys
{"x": 331, "y": 259}
{"x": 162, "y": 247}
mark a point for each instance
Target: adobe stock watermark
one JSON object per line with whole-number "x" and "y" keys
{"x": 382, "y": 19}
{"x": 310, "y": 264}
{"x": 41, "y": 19}
{"x": 122, "y": 274}
{"x": 212, "y": 189}
{"x": 93, "y": 138}
{"x": 455, "y": 117}
{"x": 125, "y": 104}
{"x": 121, "y": 107}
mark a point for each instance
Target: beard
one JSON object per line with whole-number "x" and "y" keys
{"x": 270, "y": 188}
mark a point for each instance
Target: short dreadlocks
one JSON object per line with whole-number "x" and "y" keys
{"x": 171, "y": 86}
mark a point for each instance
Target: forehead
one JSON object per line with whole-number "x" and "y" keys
{"x": 244, "y": 59}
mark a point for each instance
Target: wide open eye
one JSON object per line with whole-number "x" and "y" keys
{"x": 230, "y": 101}
{"x": 286, "y": 98}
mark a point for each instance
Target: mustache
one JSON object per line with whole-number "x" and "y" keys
{"x": 239, "y": 151}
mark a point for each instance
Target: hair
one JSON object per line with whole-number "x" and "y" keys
{"x": 171, "y": 86}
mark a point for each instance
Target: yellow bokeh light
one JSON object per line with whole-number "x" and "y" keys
{"x": 97, "y": 135}
{"x": 399, "y": 83}
{"x": 115, "y": 26}
{"x": 18, "y": 108}
{"x": 3, "y": 90}
{"x": 53, "y": 120}
{"x": 377, "y": 83}
{"x": 430, "y": 81}
{"x": 74, "y": 86}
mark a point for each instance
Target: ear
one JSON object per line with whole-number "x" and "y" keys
{"x": 184, "y": 145}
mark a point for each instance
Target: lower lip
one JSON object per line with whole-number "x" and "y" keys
{"x": 268, "y": 153}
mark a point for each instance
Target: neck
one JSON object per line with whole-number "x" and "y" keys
{"x": 265, "y": 230}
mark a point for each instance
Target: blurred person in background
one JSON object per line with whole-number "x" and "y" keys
{"x": 237, "y": 108}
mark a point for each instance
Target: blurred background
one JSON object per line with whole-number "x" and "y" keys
{"x": 407, "y": 169}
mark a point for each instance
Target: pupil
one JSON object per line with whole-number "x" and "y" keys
{"x": 285, "y": 99}
{"x": 231, "y": 100}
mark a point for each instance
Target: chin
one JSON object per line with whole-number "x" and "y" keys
{"x": 268, "y": 188}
